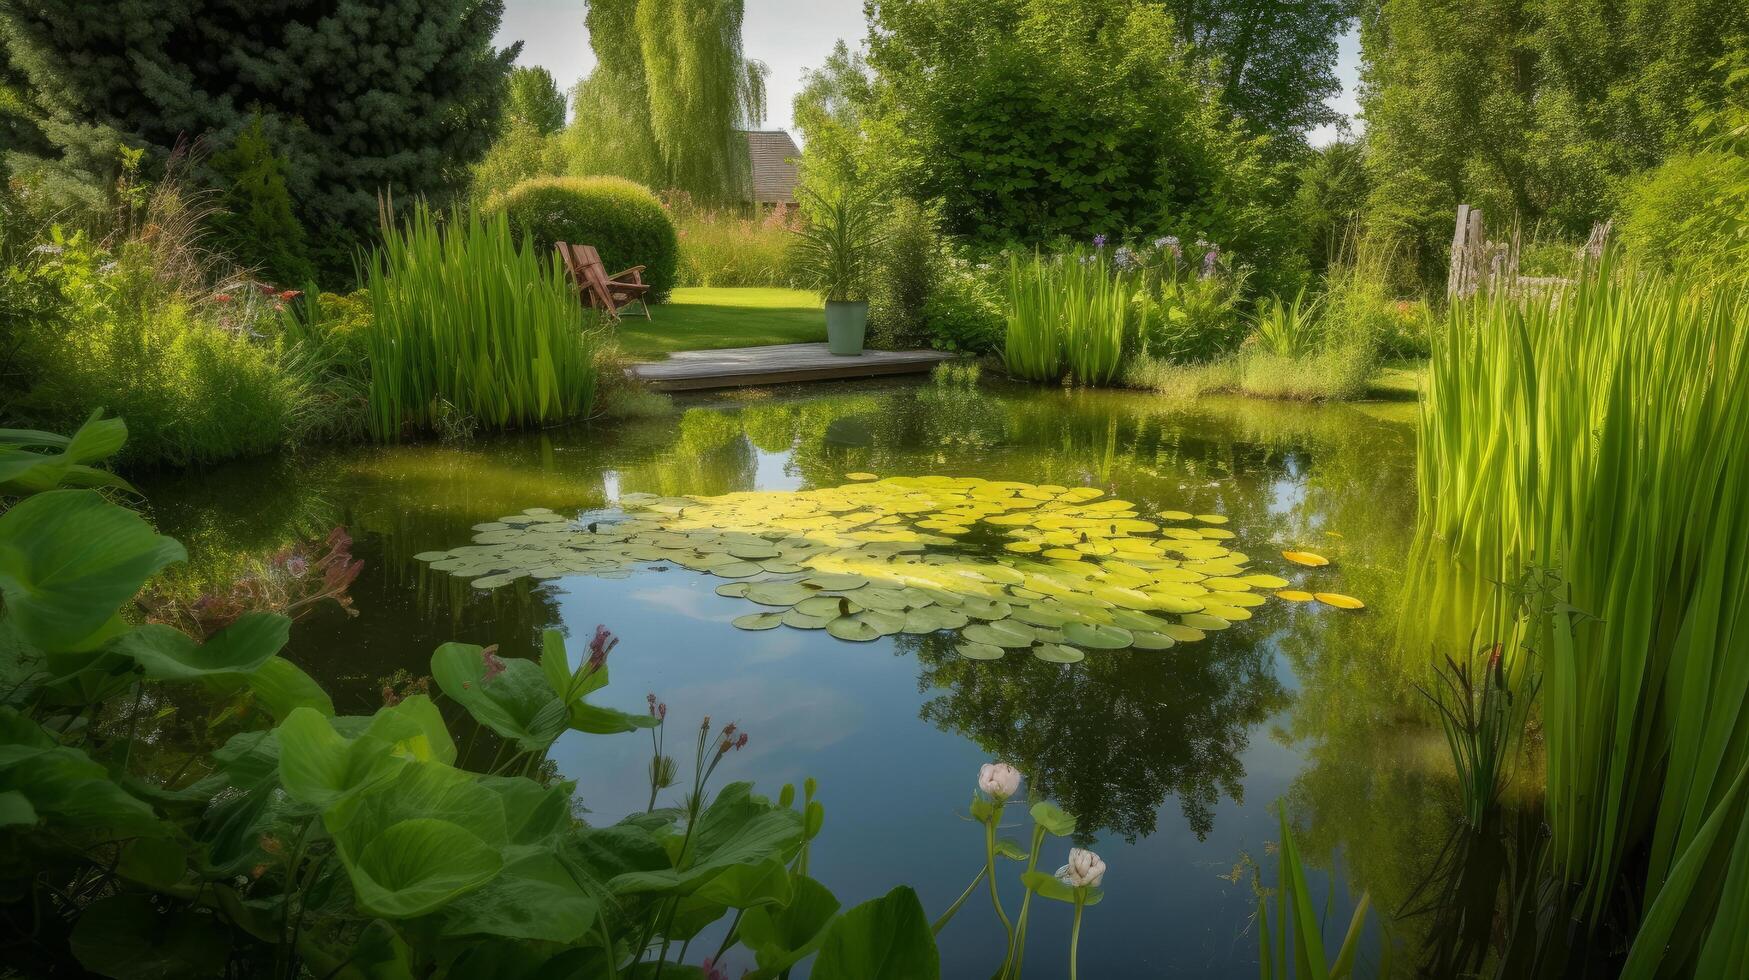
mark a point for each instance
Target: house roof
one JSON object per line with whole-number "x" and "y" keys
{"x": 775, "y": 174}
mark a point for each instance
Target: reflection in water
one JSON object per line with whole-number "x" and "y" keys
{"x": 1170, "y": 758}
{"x": 1112, "y": 738}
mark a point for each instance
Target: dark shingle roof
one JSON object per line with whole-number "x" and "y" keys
{"x": 775, "y": 176}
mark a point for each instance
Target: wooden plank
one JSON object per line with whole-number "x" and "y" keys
{"x": 777, "y": 364}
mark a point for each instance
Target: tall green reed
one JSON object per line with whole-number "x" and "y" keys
{"x": 469, "y": 322}
{"x": 1067, "y": 313}
{"x": 1596, "y": 442}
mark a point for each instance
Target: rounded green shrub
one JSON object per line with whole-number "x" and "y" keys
{"x": 619, "y": 217}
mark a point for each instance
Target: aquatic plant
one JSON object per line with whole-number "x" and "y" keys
{"x": 1077, "y": 572}
{"x": 1294, "y": 946}
{"x": 279, "y": 839}
{"x": 1595, "y": 443}
{"x": 1066, "y": 313}
{"x": 468, "y": 321}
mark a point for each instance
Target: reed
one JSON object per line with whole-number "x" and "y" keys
{"x": 1590, "y": 449}
{"x": 468, "y": 324}
{"x": 1069, "y": 314}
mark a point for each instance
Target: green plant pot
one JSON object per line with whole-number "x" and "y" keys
{"x": 846, "y": 323}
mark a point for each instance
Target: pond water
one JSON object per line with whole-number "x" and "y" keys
{"x": 1174, "y": 760}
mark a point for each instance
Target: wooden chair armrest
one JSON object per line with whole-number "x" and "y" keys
{"x": 630, "y": 287}
{"x": 633, "y": 271}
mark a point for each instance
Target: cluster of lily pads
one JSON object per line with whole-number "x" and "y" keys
{"x": 1052, "y": 570}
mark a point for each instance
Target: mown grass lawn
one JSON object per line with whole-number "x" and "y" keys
{"x": 700, "y": 318}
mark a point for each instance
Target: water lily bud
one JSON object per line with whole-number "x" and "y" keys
{"x": 1084, "y": 870}
{"x": 999, "y": 779}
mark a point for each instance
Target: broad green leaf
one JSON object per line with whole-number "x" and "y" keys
{"x": 379, "y": 954}
{"x": 1053, "y": 819}
{"x": 419, "y": 789}
{"x": 318, "y": 765}
{"x": 414, "y": 728}
{"x": 15, "y": 809}
{"x": 748, "y": 885}
{"x": 124, "y": 936}
{"x": 596, "y": 720}
{"x": 65, "y": 788}
{"x": 533, "y": 898}
{"x": 782, "y": 936}
{"x": 516, "y": 702}
{"x": 154, "y": 862}
{"x": 417, "y": 866}
{"x": 1047, "y": 885}
{"x": 533, "y": 813}
{"x": 282, "y": 686}
{"x": 168, "y": 654}
{"x": 884, "y": 939}
{"x": 735, "y": 829}
{"x": 562, "y": 680}
{"x": 25, "y": 472}
{"x": 69, "y": 559}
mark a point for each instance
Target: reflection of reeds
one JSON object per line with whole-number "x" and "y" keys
{"x": 1603, "y": 433}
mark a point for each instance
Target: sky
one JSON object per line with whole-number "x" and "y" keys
{"x": 788, "y": 35}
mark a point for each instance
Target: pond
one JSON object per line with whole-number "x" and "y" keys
{"x": 1174, "y": 760}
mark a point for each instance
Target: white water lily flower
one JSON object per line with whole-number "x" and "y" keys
{"x": 1084, "y": 870}
{"x": 999, "y": 779}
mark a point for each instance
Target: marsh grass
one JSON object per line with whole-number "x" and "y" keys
{"x": 1595, "y": 443}
{"x": 720, "y": 249}
{"x": 469, "y": 324}
{"x": 1067, "y": 313}
{"x": 1339, "y": 375}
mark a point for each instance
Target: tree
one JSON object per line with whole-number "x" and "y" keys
{"x": 258, "y": 224}
{"x": 535, "y": 99}
{"x": 669, "y": 96}
{"x": 1274, "y": 60}
{"x": 1330, "y": 199}
{"x": 1032, "y": 119}
{"x": 359, "y": 97}
{"x": 1533, "y": 110}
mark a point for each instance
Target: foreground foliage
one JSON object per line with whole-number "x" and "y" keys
{"x": 1590, "y": 450}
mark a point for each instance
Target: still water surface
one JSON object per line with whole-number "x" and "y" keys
{"x": 1173, "y": 760}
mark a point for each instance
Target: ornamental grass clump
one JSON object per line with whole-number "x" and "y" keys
{"x": 1067, "y": 314}
{"x": 1592, "y": 446}
{"x": 468, "y": 323}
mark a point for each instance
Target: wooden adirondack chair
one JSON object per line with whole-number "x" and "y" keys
{"x": 597, "y": 289}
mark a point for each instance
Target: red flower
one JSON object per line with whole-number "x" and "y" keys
{"x": 223, "y": 298}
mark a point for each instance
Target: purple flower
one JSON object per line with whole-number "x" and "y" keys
{"x": 1211, "y": 260}
{"x": 600, "y": 647}
{"x": 1098, "y": 241}
{"x": 1124, "y": 257}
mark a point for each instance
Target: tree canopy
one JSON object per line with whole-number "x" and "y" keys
{"x": 357, "y": 97}
{"x": 1274, "y": 60}
{"x": 1031, "y": 119}
{"x": 535, "y": 99}
{"x": 669, "y": 96}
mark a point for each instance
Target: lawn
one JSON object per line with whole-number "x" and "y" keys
{"x": 699, "y": 318}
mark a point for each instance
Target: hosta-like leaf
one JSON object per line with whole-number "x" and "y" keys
{"x": 168, "y": 654}
{"x": 884, "y": 939}
{"x": 782, "y": 936}
{"x": 69, "y": 559}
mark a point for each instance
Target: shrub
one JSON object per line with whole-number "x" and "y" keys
{"x": 964, "y": 311}
{"x": 201, "y": 378}
{"x": 620, "y": 218}
{"x": 904, "y": 278}
{"x": 473, "y": 327}
{"x": 522, "y": 153}
{"x": 1679, "y": 213}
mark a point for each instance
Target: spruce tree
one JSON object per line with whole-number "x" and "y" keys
{"x": 358, "y": 97}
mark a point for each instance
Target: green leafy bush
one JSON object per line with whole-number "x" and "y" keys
{"x": 620, "y": 218}
{"x": 1681, "y": 213}
{"x": 192, "y": 373}
{"x": 905, "y": 272}
{"x": 472, "y": 325}
{"x": 964, "y": 312}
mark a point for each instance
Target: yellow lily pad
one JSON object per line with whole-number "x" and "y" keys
{"x": 1339, "y": 600}
{"x": 1306, "y": 558}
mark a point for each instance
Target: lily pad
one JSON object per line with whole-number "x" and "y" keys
{"x": 1306, "y": 558}
{"x": 1205, "y": 622}
{"x": 979, "y": 651}
{"x": 779, "y": 593}
{"x": 1151, "y": 641}
{"x": 1098, "y": 637}
{"x": 803, "y": 621}
{"x": 1001, "y": 633}
{"x": 758, "y": 621}
{"x": 1056, "y": 653}
{"x": 1295, "y": 595}
{"x": 1340, "y": 601}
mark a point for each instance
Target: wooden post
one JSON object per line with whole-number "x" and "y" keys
{"x": 1468, "y": 242}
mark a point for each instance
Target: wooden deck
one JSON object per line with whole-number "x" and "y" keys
{"x": 740, "y": 367}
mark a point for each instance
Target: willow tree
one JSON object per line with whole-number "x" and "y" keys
{"x": 669, "y": 96}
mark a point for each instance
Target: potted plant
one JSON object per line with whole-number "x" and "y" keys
{"x": 835, "y": 252}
